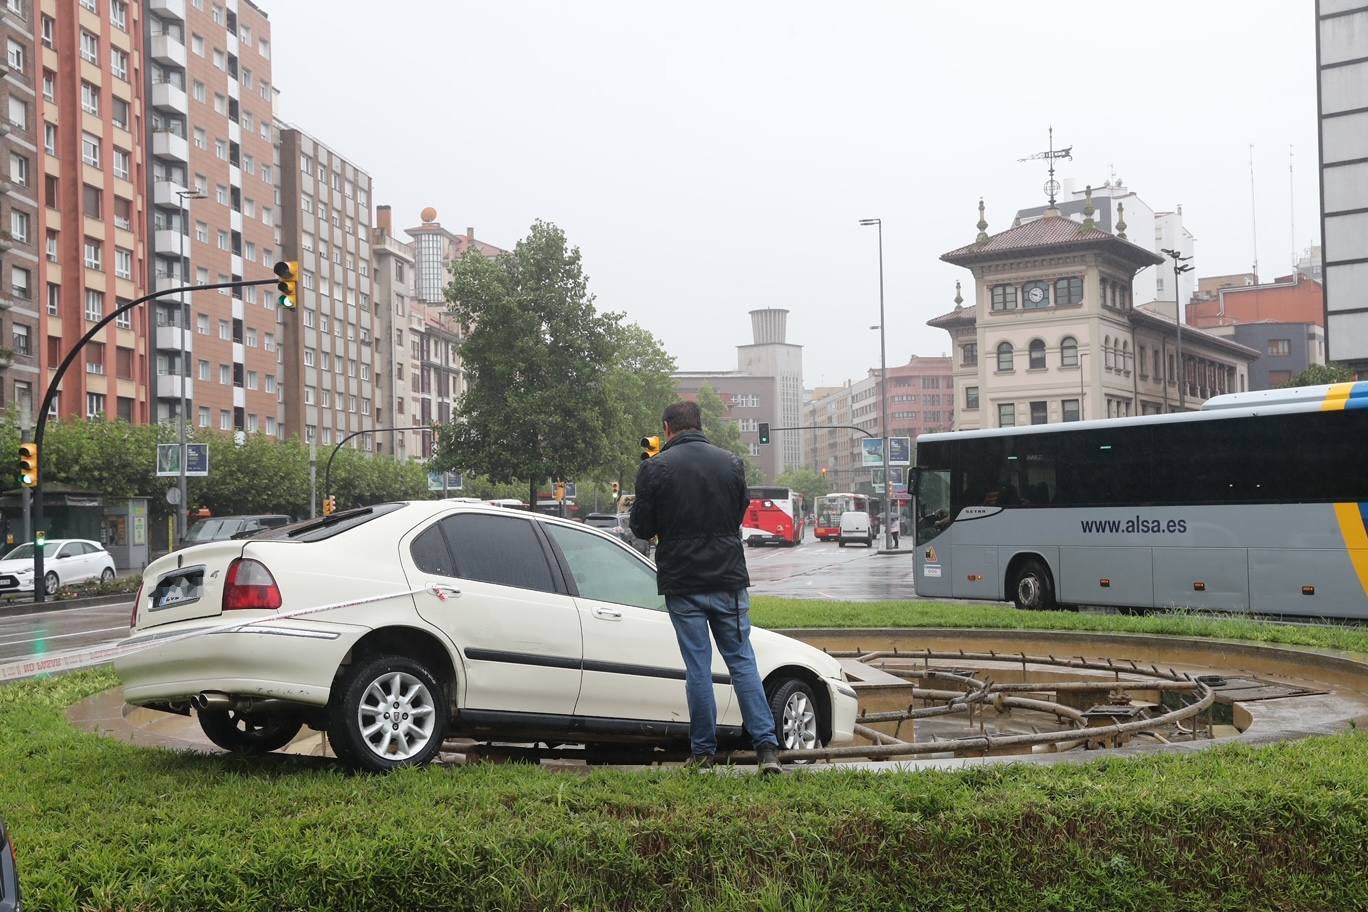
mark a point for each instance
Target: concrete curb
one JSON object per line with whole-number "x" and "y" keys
{"x": 18, "y": 609}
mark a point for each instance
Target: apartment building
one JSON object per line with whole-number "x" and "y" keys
{"x": 212, "y": 184}
{"x": 328, "y": 359}
{"x": 20, "y": 272}
{"x": 94, "y": 172}
{"x": 399, "y": 317}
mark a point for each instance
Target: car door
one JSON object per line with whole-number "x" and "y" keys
{"x": 496, "y": 596}
{"x": 87, "y": 560}
{"x": 67, "y": 563}
{"x": 632, "y": 665}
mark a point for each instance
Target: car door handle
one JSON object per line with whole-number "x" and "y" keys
{"x": 608, "y": 614}
{"x": 443, "y": 591}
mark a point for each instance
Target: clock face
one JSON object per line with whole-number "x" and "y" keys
{"x": 1035, "y": 294}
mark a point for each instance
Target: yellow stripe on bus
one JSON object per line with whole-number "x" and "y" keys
{"x": 1338, "y": 396}
{"x": 1355, "y": 539}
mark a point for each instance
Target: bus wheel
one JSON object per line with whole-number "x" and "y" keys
{"x": 1032, "y": 587}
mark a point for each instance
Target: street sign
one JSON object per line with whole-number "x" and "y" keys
{"x": 173, "y": 496}
{"x": 899, "y": 477}
{"x": 196, "y": 464}
{"x": 899, "y": 451}
{"x": 454, "y": 481}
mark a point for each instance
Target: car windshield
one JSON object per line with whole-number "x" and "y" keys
{"x": 207, "y": 530}
{"x": 23, "y": 552}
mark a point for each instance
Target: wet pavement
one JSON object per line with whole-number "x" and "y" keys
{"x": 43, "y": 633}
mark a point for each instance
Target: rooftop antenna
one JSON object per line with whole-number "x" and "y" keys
{"x": 1292, "y": 209}
{"x": 1051, "y": 185}
{"x": 1253, "y": 215}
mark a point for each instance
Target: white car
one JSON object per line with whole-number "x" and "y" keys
{"x": 65, "y": 561}
{"x": 855, "y": 527}
{"x": 479, "y": 622}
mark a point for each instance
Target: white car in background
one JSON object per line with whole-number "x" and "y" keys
{"x": 482, "y": 622}
{"x": 65, "y": 561}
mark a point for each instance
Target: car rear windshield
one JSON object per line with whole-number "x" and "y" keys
{"x": 312, "y": 530}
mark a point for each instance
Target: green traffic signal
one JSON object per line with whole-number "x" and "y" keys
{"x": 764, "y": 432}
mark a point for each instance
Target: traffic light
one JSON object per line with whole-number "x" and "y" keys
{"x": 617, "y": 489}
{"x": 28, "y": 465}
{"x": 40, "y": 539}
{"x": 329, "y": 505}
{"x": 560, "y": 492}
{"x": 650, "y": 446}
{"x": 824, "y": 471}
{"x": 288, "y": 273}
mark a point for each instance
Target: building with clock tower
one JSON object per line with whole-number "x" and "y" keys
{"x": 1054, "y": 334}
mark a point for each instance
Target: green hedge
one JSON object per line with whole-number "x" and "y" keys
{"x": 105, "y": 825}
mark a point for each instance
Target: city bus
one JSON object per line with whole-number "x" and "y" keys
{"x": 1256, "y": 503}
{"x": 827, "y": 524}
{"x": 774, "y": 516}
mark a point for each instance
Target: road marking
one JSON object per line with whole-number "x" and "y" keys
{"x": 59, "y": 636}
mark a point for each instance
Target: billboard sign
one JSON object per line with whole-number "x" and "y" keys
{"x": 899, "y": 451}
{"x": 454, "y": 481}
{"x": 196, "y": 463}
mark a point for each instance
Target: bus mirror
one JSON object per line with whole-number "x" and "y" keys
{"x": 913, "y": 480}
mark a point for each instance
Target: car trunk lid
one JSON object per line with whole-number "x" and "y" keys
{"x": 187, "y": 584}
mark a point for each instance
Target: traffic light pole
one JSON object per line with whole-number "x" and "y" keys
{"x": 327, "y": 469}
{"x": 40, "y": 422}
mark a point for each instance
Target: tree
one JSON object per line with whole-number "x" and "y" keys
{"x": 640, "y": 387}
{"x": 807, "y": 482}
{"x": 537, "y": 360}
{"x": 725, "y": 432}
{"x": 1320, "y": 374}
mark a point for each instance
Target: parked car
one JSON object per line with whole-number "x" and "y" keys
{"x": 10, "y": 898}
{"x": 482, "y": 622}
{"x": 65, "y": 561}
{"x": 223, "y": 528}
{"x": 856, "y": 527}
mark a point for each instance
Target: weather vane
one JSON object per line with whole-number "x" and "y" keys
{"x": 1051, "y": 185}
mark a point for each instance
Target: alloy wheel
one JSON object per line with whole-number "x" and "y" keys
{"x": 799, "y": 722}
{"x": 396, "y": 716}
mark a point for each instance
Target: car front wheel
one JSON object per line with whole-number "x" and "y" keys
{"x": 387, "y": 712}
{"x": 796, "y": 721}
{"x": 248, "y": 734}
{"x": 51, "y": 583}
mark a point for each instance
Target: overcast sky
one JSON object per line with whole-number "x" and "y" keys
{"x": 713, "y": 157}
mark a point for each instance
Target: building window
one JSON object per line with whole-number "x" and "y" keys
{"x": 94, "y": 254}
{"x": 49, "y": 85}
{"x": 1036, "y": 355}
{"x": 1040, "y": 413}
{"x": 970, "y": 357}
{"x": 94, "y": 357}
{"x": 221, "y": 149}
{"x": 1004, "y": 297}
{"x": 1069, "y": 409}
{"x": 123, "y": 213}
{"x": 50, "y": 138}
{"x": 90, "y": 149}
{"x": 15, "y": 55}
{"x": 202, "y": 232}
{"x": 225, "y": 420}
{"x": 122, "y": 163}
{"x": 90, "y": 47}
{"x": 1280, "y": 347}
{"x": 1068, "y": 352}
{"x": 1068, "y": 292}
{"x": 118, "y": 64}
{"x": 204, "y": 416}
{"x": 52, "y": 245}
{"x": 23, "y": 340}
{"x": 1007, "y": 414}
{"x": 18, "y": 113}
{"x": 971, "y": 397}
{"x": 123, "y": 263}
{"x": 197, "y": 44}
{"x": 1004, "y": 356}
{"x": 54, "y": 299}
{"x": 118, "y": 14}
{"x": 1279, "y": 378}
{"x": 201, "y": 141}
{"x": 49, "y": 28}
{"x": 95, "y": 405}
{"x": 19, "y": 226}
{"x": 120, "y": 115}
{"x": 94, "y": 305}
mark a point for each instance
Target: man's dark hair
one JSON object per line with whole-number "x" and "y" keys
{"x": 684, "y": 416}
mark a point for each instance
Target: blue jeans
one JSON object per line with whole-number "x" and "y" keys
{"x": 727, "y": 615}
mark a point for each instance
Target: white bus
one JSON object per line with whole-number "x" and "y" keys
{"x": 1257, "y": 503}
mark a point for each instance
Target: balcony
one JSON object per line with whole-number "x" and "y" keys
{"x": 164, "y": 193}
{"x": 168, "y": 9}
{"x": 168, "y": 50}
{"x": 169, "y": 96}
{"x": 169, "y": 242}
{"x": 172, "y": 338}
{"x": 169, "y": 387}
{"x": 168, "y": 145}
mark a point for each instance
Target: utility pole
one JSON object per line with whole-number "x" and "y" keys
{"x": 183, "y": 506}
{"x": 313, "y": 480}
{"x": 1180, "y": 266}
{"x": 883, "y": 394}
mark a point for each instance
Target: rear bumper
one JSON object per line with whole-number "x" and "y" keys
{"x": 291, "y": 660}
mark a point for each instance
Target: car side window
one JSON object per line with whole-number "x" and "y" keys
{"x": 431, "y": 554}
{"x": 501, "y": 550}
{"x": 605, "y": 571}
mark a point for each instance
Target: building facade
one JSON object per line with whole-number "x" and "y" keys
{"x": 748, "y": 399}
{"x": 22, "y": 291}
{"x": 399, "y": 318}
{"x": 1290, "y": 299}
{"x": 771, "y": 355}
{"x": 1285, "y": 349}
{"x": 328, "y": 354}
{"x": 1054, "y": 333}
{"x": 89, "y": 111}
{"x": 212, "y": 185}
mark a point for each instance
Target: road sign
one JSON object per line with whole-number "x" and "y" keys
{"x": 173, "y": 496}
{"x": 196, "y": 463}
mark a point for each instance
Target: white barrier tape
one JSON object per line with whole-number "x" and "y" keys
{"x": 99, "y": 655}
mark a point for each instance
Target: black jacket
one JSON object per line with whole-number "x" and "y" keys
{"x": 693, "y": 496}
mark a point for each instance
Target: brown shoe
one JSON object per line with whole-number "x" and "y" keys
{"x": 767, "y": 759}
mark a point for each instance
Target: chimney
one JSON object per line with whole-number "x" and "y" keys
{"x": 382, "y": 218}
{"x": 470, "y": 234}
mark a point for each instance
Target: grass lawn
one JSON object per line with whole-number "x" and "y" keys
{"x": 104, "y": 825}
{"x": 780, "y": 613}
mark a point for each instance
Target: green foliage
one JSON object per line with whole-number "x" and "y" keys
{"x": 725, "y": 432}
{"x": 808, "y": 482}
{"x": 104, "y": 825}
{"x": 538, "y": 357}
{"x": 639, "y": 388}
{"x": 1320, "y": 374}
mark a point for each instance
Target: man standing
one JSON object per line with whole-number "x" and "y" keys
{"x": 693, "y": 497}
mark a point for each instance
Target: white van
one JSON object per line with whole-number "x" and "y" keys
{"x": 855, "y": 527}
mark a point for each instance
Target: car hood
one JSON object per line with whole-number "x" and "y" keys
{"x": 14, "y": 566}
{"x": 774, "y": 649}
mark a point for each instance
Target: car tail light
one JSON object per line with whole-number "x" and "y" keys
{"x": 250, "y": 585}
{"x": 137, "y": 601}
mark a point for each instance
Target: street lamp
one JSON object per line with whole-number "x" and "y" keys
{"x": 182, "y": 508}
{"x": 883, "y": 392}
{"x": 1180, "y": 266}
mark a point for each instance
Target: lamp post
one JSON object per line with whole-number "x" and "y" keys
{"x": 1082, "y": 389}
{"x": 182, "y": 508}
{"x": 883, "y": 392}
{"x": 1180, "y": 266}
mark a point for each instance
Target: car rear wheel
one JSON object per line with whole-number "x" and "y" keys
{"x": 387, "y": 712}
{"x": 107, "y": 575}
{"x": 238, "y": 733}
{"x": 51, "y": 583}
{"x": 797, "y": 721}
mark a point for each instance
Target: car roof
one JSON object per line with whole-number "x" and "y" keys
{"x": 428, "y": 508}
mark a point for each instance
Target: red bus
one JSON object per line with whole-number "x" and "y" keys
{"x": 775, "y": 516}
{"x": 829, "y": 510}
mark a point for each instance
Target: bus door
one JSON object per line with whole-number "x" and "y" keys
{"x": 931, "y": 510}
